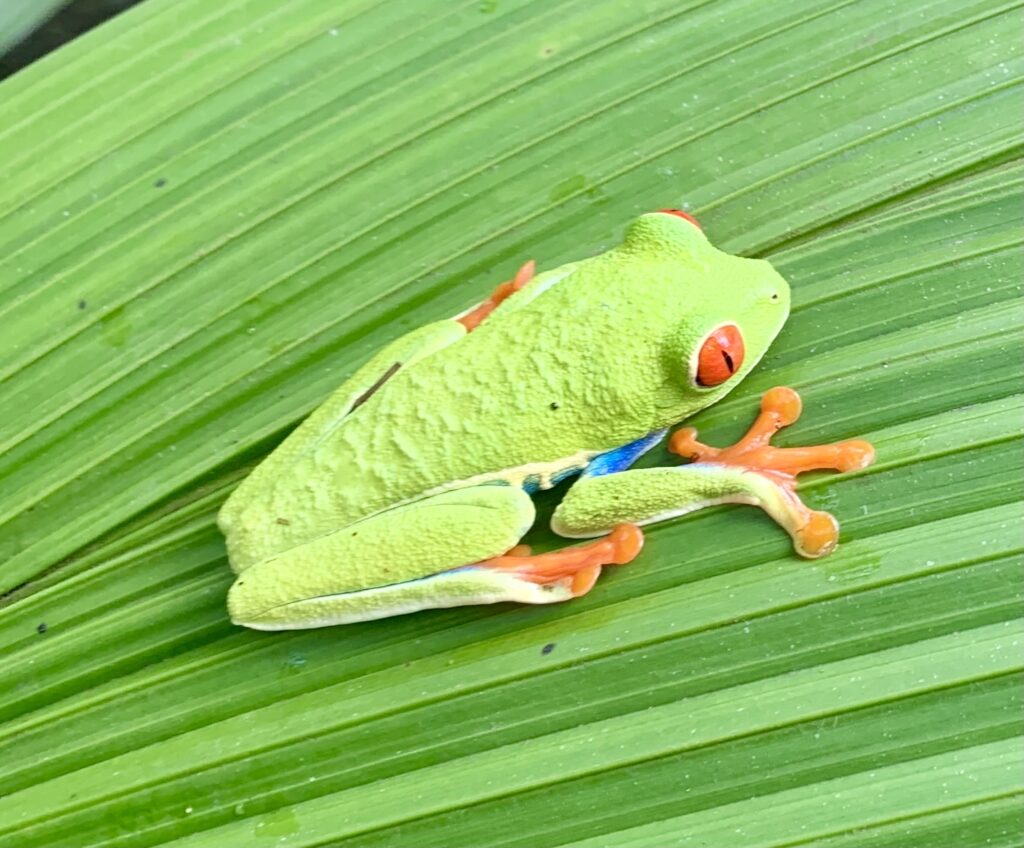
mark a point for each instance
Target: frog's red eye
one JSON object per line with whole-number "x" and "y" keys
{"x": 679, "y": 213}
{"x": 720, "y": 356}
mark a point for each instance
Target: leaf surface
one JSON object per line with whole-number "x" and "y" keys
{"x": 212, "y": 213}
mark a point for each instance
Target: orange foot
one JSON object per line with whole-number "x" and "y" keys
{"x": 577, "y": 567}
{"x": 815, "y": 533}
{"x": 471, "y": 320}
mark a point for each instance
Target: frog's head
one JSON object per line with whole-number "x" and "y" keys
{"x": 720, "y": 312}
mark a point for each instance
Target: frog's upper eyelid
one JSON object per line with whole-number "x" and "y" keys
{"x": 686, "y": 216}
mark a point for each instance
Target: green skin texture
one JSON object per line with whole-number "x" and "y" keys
{"x": 380, "y": 505}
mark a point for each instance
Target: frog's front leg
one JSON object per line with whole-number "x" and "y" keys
{"x": 451, "y": 549}
{"x": 750, "y": 472}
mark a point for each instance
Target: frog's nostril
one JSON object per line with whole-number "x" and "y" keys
{"x": 679, "y": 213}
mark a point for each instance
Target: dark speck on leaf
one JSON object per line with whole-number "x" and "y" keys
{"x": 548, "y": 648}
{"x": 160, "y": 183}
{"x": 42, "y": 627}
{"x": 554, "y": 404}
{"x": 283, "y": 521}
{"x": 82, "y": 304}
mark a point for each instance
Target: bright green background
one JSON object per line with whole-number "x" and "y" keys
{"x": 210, "y": 213}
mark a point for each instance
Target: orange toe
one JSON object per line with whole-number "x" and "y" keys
{"x": 627, "y": 541}
{"x": 472, "y": 319}
{"x": 584, "y": 579}
{"x": 784, "y": 403}
{"x": 519, "y": 551}
{"x": 577, "y": 567}
{"x": 854, "y": 455}
{"x": 819, "y": 536}
{"x": 683, "y": 442}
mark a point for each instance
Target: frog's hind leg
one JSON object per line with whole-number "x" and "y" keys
{"x": 570, "y": 569}
{"x": 406, "y": 558}
{"x": 451, "y": 549}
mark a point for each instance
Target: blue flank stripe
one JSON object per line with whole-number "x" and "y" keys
{"x": 621, "y": 458}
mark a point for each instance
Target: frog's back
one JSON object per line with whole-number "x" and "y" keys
{"x": 531, "y": 395}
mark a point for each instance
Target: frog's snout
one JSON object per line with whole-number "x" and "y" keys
{"x": 770, "y": 285}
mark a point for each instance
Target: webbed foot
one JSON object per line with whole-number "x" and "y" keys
{"x": 814, "y": 533}
{"x": 576, "y": 569}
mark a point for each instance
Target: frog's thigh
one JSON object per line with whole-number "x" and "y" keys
{"x": 412, "y": 557}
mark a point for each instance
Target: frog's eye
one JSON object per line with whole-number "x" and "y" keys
{"x": 720, "y": 356}
{"x": 679, "y": 213}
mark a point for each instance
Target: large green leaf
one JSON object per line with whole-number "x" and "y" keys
{"x": 212, "y": 212}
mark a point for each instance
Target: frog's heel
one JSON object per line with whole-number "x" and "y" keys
{"x": 749, "y": 472}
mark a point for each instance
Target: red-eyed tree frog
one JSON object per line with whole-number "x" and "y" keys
{"x": 409, "y": 488}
